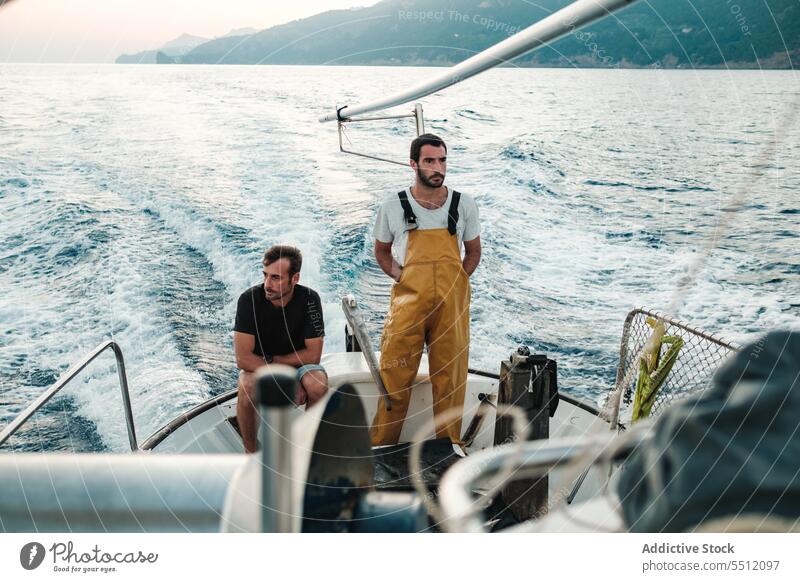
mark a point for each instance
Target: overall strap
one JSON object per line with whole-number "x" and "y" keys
{"x": 452, "y": 213}
{"x": 411, "y": 218}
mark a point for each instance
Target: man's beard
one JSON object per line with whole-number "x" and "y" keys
{"x": 277, "y": 295}
{"x": 427, "y": 181}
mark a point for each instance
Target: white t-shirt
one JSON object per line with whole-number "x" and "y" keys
{"x": 390, "y": 224}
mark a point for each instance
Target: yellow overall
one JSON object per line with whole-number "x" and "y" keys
{"x": 429, "y": 305}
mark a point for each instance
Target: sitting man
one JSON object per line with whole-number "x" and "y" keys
{"x": 281, "y": 322}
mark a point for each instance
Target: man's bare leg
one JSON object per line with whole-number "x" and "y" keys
{"x": 301, "y": 397}
{"x": 246, "y": 411}
{"x": 315, "y": 384}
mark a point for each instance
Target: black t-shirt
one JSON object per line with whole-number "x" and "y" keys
{"x": 279, "y": 331}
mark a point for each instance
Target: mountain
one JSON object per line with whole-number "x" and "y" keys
{"x": 171, "y": 52}
{"x": 167, "y": 53}
{"x": 142, "y": 58}
{"x": 241, "y": 32}
{"x": 182, "y": 45}
{"x": 658, "y": 33}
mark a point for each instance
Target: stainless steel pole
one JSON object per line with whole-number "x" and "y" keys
{"x": 276, "y": 388}
{"x": 558, "y": 24}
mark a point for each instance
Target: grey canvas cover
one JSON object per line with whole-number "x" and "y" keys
{"x": 732, "y": 450}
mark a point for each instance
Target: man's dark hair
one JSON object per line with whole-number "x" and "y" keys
{"x": 278, "y": 252}
{"x": 423, "y": 140}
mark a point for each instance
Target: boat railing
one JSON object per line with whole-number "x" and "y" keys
{"x": 66, "y": 378}
{"x": 524, "y": 460}
{"x": 699, "y": 357}
{"x": 418, "y": 121}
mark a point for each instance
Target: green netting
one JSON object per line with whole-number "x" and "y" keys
{"x": 654, "y": 368}
{"x": 687, "y": 359}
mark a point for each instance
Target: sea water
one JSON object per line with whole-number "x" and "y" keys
{"x": 137, "y": 202}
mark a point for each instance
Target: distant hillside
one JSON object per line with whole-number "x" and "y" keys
{"x": 168, "y": 52}
{"x": 668, "y": 33}
{"x": 172, "y": 51}
{"x": 242, "y": 31}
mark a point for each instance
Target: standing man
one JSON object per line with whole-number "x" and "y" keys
{"x": 418, "y": 236}
{"x": 278, "y": 321}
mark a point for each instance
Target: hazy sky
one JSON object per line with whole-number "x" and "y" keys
{"x": 98, "y": 31}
